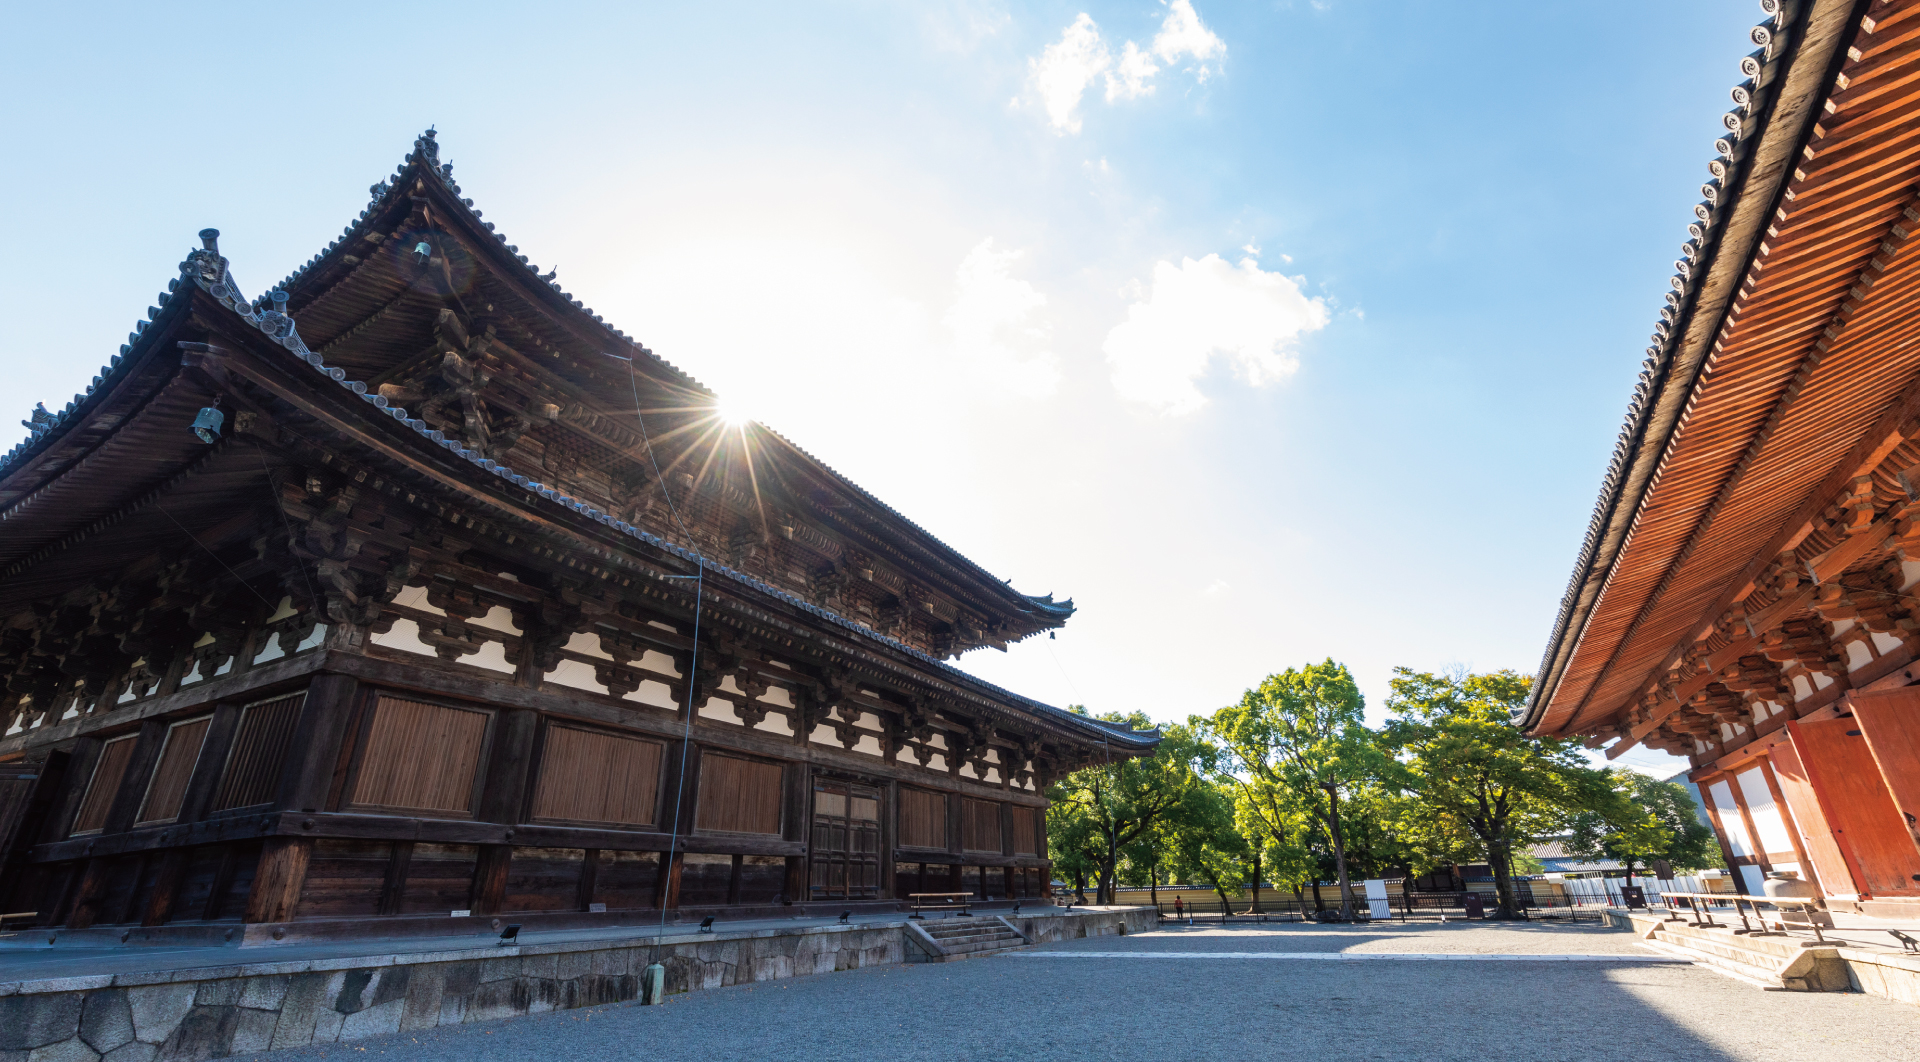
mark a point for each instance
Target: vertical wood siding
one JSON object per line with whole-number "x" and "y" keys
{"x": 923, "y": 819}
{"x": 420, "y": 757}
{"x": 170, "y": 775}
{"x": 738, "y": 796}
{"x": 591, "y": 776}
{"x": 1023, "y": 832}
{"x": 252, "y": 773}
{"x": 980, "y": 826}
{"x": 104, "y": 785}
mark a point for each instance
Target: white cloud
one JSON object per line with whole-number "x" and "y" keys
{"x": 1202, "y": 308}
{"x": 994, "y": 335}
{"x": 1065, "y": 69}
{"x": 1183, "y": 34}
{"x": 1133, "y": 77}
{"x": 960, "y": 26}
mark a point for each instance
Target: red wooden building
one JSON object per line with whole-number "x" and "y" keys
{"x": 1748, "y": 595}
{"x": 414, "y": 587}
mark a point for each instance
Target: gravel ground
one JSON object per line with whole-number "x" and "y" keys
{"x": 1024, "y": 1006}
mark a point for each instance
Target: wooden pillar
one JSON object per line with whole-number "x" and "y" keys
{"x": 668, "y": 891}
{"x": 956, "y": 834}
{"x": 166, "y": 886}
{"x": 1720, "y": 832}
{"x": 510, "y": 767}
{"x": 85, "y": 757}
{"x": 589, "y": 877}
{"x": 205, "y": 782}
{"x": 1792, "y": 825}
{"x": 393, "y": 890}
{"x": 1890, "y": 721}
{"x": 276, "y": 883}
{"x": 318, "y": 740}
{"x": 89, "y": 893}
{"x": 1760, "y": 858}
{"x": 733, "y": 880}
{"x": 490, "y": 878}
{"x": 133, "y": 784}
{"x": 889, "y": 837}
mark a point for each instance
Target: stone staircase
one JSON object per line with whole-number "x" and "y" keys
{"x": 1773, "y": 962}
{"x": 972, "y": 937}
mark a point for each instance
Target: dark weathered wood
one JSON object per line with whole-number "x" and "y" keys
{"x": 85, "y": 756}
{"x": 317, "y": 742}
{"x": 221, "y": 883}
{"x": 394, "y": 888}
{"x": 490, "y": 877}
{"x": 166, "y": 887}
{"x": 670, "y": 880}
{"x": 89, "y": 893}
{"x": 589, "y": 878}
{"x": 213, "y": 760}
{"x": 276, "y": 883}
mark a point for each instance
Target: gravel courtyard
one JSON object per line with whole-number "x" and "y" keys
{"x": 1212, "y": 992}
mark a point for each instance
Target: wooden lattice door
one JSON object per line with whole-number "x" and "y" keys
{"x": 846, "y": 842}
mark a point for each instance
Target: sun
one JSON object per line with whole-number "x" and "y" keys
{"x": 733, "y": 412}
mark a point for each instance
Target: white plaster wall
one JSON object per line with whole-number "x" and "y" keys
{"x": 653, "y": 693}
{"x": 587, "y": 645}
{"x": 577, "y": 675}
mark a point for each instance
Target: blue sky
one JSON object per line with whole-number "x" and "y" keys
{"x": 1267, "y": 332}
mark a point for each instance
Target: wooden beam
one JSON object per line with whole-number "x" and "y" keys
{"x": 318, "y": 742}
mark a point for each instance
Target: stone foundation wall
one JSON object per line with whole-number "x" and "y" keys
{"x": 260, "y": 1006}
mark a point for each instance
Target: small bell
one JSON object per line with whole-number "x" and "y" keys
{"x": 207, "y": 422}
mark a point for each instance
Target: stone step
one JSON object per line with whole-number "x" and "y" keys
{"x": 985, "y": 947}
{"x": 1757, "y": 976}
{"x": 1732, "y": 950}
{"x": 1780, "y": 949}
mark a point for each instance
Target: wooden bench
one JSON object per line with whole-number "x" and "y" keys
{"x": 939, "y": 901}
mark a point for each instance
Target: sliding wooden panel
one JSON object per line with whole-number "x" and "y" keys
{"x": 170, "y": 776}
{"x": 980, "y": 826}
{"x": 923, "y": 819}
{"x": 105, "y": 785}
{"x": 420, "y": 757}
{"x": 590, "y": 776}
{"x": 253, "y": 770}
{"x": 1024, "y": 835}
{"x": 738, "y": 796}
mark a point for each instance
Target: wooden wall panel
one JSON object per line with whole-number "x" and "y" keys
{"x": 259, "y": 756}
{"x": 923, "y": 819}
{"x": 763, "y": 879}
{"x": 440, "y": 879}
{"x": 626, "y": 880}
{"x": 1024, "y": 835}
{"x": 705, "y": 879}
{"x": 345, "y": 878}
{"x": 590, "y": 776}
{"x": 1842, "y": 771}
{"x": 738, "y": 795}
{"x": 543, "y": 879}
{"x": 420, "y": 757}
{"x": 980, "y": 826}
{"x": 177, "y": 759}
{"x": 1890, "y": 721}
{"x": 108, "y": 773}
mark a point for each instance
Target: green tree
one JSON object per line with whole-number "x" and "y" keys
{"x": 1663, "y": 823}
{"x": 1298, "y": 743}
{"x": 1099, "y": 812}
{"x": 1472, "y": 771}
{"x": 1205, "y": 848}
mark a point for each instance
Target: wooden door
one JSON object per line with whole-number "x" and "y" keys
{"x": 1830, "y": 862}
{"x": 845, "y": 849}
{"x": 1890, "y": 721}
{"x": 1857, "y": 805}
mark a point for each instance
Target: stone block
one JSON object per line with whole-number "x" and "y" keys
{"x": 74, "y": 1050}
{"x": 497, "y": 999}
{"x": 265, "y": 993}
{"x": 222, "y": 993}
{"x": 206, "y": 1032}
{"x": 572, "y": 964}
{"x": 326, "y": 1025}
{"x": 253, "y": 1030}
{"x": 462, "y": 978}
{"x": 306, "y": 997}
{"x": 159, "y": 1009}
{"x": 389, "y": 985}
{"x": 504, "y": 968}
{"x": 351, "y": 996}
{"x": 133, "y": 1052}
{"x": 378, "y": 1020}
{"x": 28, "y": 1022}
{"x": 107, "y": 1021}
{"x": 426, "y": 988}
{"x": 538, "y": 965}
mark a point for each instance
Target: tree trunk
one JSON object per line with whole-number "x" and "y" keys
{"x": 1319, "y": 904}
{"x": 1340, "y": 854}
{"x": 1629, "y": 872}
{"x": 1498, "y": 854}
{"x": 1080, "y": 885}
